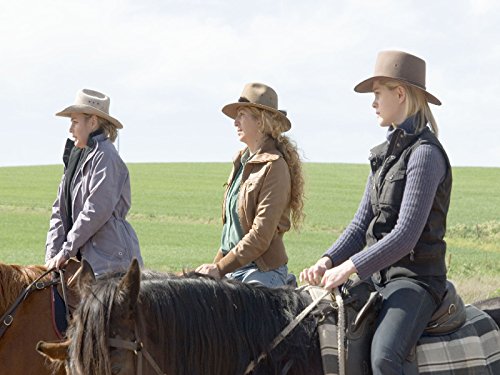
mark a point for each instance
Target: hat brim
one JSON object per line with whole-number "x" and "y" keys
{"x": 231, "y": 110}
{"x": 367, "y": 86}
{"x": 81, "y": 108}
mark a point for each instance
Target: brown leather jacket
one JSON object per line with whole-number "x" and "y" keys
{"x": 263, "y": 211}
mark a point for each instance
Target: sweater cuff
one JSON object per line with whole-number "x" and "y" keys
{"x": 228, "y": 263}
{"x": 362, "y": 266}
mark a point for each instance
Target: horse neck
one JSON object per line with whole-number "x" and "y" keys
{"x": 13, "y": 279}
{"x": 229, "y": 323}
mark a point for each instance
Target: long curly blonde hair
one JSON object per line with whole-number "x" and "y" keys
{"x": 273, "y": 125}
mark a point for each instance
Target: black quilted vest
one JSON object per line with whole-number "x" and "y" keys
{"x": 389, "y": 166}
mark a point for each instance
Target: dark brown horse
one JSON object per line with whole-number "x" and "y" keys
{"x": 165, "y": 324}
{"x": 32, "y": 321}
{"x": 189, "y": 326}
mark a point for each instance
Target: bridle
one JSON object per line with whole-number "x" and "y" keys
{"x": 137, "y": 347}
{"x": 37, "y": 285}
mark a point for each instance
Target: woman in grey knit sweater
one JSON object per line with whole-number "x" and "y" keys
{"x": 396, "y": 236}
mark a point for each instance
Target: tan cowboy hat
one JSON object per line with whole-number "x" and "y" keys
{"x": 260, "y": 96}
{"x": 92, "y": 103}
{"x": 400, "y": 66}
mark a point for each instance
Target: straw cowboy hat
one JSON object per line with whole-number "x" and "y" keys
{"x": 92, "y": 103}
{"x": 260, "y": 96}
{"x": 400, "y": 66}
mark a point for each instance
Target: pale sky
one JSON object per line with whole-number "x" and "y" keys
{"x": 170, "y": 66}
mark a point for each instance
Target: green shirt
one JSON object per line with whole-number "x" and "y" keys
{"x": 232, "y": 233}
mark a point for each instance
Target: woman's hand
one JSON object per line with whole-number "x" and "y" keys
{"x": 338, "y": 275}
{"x": 313, "y": 274}
{"x": 209, "y": 269}
{"x": 58, "y": 262}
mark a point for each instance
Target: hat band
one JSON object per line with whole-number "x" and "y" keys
{"x": 243, "y": 100}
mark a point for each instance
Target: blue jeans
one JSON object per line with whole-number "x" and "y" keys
{"x": 251, "y": 274}
{"x": 407, "y": 308}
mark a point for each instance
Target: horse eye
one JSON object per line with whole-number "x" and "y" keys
{"x": 115, "y": 370}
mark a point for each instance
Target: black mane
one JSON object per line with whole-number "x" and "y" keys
{"x": 196, "y": 325}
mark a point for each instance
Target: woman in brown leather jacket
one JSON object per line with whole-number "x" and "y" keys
{"x": 264, "y": 194}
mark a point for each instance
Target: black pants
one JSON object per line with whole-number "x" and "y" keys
{"x": 406, "y": 309}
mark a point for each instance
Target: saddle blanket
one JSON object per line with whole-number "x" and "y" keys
{"x": 473, "y": 349}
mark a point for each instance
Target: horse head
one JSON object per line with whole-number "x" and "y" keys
{"x": 104, "y": 327}
{"x": 123, "y": 333}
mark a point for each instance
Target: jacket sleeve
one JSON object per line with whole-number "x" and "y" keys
{"x": 218, "y": 256}
{"x": 56, "y": 233}
{"x": 274, "y": 198}
{"x": 107, "y": 177}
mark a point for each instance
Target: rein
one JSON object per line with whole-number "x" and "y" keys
{"x": 138, "y": 348}
{"x": 8, "y": 317}
{"x": 340, "y": 331}
{"x": 286, "y": 331}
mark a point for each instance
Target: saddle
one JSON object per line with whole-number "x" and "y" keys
{"x": 450, "y": 314}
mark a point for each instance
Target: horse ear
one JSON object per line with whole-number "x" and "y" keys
{"x": 130, "y": 284}
{"x": 54, "y": 351}
{"x": 84, "y": 277}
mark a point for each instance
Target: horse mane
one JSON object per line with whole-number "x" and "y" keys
{"x": 13, "y": 279}
{"x": 202, "y": 326}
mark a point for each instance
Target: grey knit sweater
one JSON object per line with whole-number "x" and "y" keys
{"x": 426, "y": 169}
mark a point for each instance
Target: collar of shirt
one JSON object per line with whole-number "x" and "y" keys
{"x": 408, "y": 126}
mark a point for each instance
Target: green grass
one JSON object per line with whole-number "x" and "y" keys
{"x": 176, "y": 211}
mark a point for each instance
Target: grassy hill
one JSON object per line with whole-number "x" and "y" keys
{"x": 176, "y": 212}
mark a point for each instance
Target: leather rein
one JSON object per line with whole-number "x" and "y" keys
{"x": 8, "y": 317}
{"x": 284, "y": 333}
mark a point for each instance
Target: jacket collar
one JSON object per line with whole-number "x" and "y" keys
{"x": 398, "y": 139}
{"x": 267, "y": 152}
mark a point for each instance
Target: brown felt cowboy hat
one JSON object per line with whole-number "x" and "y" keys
{"x": 400, "y": 66}
{"x": 260, "y": 96}
{"x": 92, "y": 103}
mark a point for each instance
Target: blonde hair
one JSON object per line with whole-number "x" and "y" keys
{"x": 108, "y": 129}
{"x": 272, "y": 125}
{"x": 416, "y": 103}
